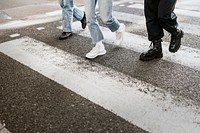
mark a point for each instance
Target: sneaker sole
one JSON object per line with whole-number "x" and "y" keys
{"x": 92, "y": 57}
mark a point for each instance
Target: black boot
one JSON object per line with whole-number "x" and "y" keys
{"x": 83, "y": 21}
{"x": 175, "y": 42}
{"x": 154, "y": 52}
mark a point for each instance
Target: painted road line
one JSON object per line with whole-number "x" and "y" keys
{"x": 40, "y": 28}
{"x": 186, "y": 56}
{"x": 114, "y": 91}
{"x": 11, "y": 23}
{"x": 35, "y": 19}
{"x": 136, "y": 5}
{"x": 122, "y": 5}
{"x": 59, "y": 12}
{"x": 177, "y": 10}
{"x": 3, "y": 129}
{"x": 127, "y": 17}
{"x": 14, "y": 35}
{"x": 41, "y": 18}
{"x": 120, "y": 2}
{"x": 153, "y": 111}
{"x": 54, "y": 13}
{"x": 3, "y": 15}
{"x": 189, "y": 5}
{"x": 140, "y": 20}
{"x": 187, "y": 12}
{"x": 23, "y": 23}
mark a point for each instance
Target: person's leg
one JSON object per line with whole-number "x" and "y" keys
{"x": 105, "y": 9}
{"x": 67, "y": 14}
{"x": 80, "y": 16}
{"x": 93, "y": 25}
{"x": 95, "y": 32}
{"x": 154, "y": 29}
{"x": 77, "y": 13}
{"x": 67, "y": 18}
{"x": 168, "y": 20}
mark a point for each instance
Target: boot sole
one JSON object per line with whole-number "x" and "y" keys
{"x": 151, "y": 58}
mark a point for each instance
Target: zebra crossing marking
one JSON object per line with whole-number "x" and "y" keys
{"x": 113, "y": 90}
{"x": 186, "y": 56}
{"x": 40, "y": 28}
{"x": 181, "y": 125}
{"x": 177, "y": 10}
{"x": 56, "y": 15}
{"x": 140, "y": 20}
{"x": 14, "y": 35}
{"x": 3, "y": 129}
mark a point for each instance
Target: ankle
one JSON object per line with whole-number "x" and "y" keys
{"x": 157, "y": 44}
{"x": 121, "y": 27}
{"x": 177, "y": 31}
{"x": 157, "y": 41}
{"x": 99, "y": 43}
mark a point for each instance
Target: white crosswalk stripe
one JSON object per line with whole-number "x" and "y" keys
{"x": 3, "y": 129}
{"x": 140, "y": 20}
{"x": 144, "y": 110}
{"x": 113, "y": 90}
{"x": 177, "y": 11}
{"x": 187, "y": 56}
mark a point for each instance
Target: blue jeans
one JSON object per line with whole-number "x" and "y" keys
{"x": 105, "y": 9}
{"x": 69, "y": 10}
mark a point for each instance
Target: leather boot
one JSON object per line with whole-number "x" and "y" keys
{"x": 175, "y": 42}
{"x": 154, "y": 52}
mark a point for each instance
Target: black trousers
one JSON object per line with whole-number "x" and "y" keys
{"x": 159, "y": 15}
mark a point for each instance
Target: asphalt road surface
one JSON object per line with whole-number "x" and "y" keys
{"x": 48, "y": 86}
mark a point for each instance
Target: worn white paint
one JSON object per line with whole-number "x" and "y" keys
{"x": 3, "y": 128}
{"x": 186, "y": 56}
{"x": 119, "y": 93}
{"x": 40, "y": 28}
{"x": 14, "y": 35}
{"x": 137, "y": 6}
{"x": 185, "y": 12}
{"x": 56, "y": 15}
{"x": 189, "y": 4}
{"x": 122, "y": 5}
{"x": 23, "y": 23}
{"x": 140, "y": 21}
{"x": 131, "y": 2}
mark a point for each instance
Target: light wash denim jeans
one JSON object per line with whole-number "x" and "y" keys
{"x": 105, "y": 10}
{"x": 69, "y": 10}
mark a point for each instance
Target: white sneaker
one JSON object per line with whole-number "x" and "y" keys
{"x": 120, "y": 34}
{"x": 99, "y": 49}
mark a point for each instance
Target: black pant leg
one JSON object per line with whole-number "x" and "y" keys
{"x": 167, "y": 17}
{"x": 154, "y": 29}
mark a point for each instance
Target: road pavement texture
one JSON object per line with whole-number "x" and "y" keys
{"x": 12, "y": 11}
{"x": 48, "y": 85}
